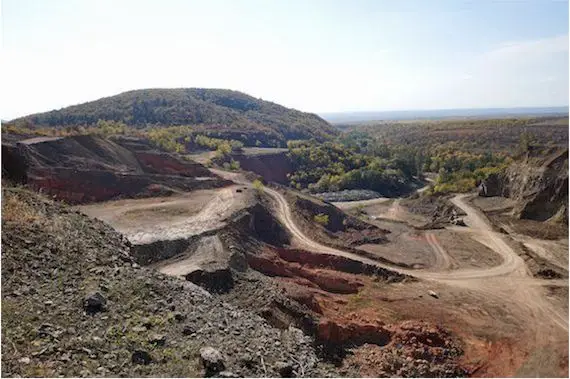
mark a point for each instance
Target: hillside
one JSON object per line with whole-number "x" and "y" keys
{"x": 79, "y": 169}
{"x": 223, "y": 113}
{"x": 75, "y": 304}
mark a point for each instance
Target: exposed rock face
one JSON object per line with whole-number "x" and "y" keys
{"x": 164, "y": 163}
{"x": 539, "y": 186}
{"x": 82, "y": 169}
{"x": 273, "y": 167}
{"x": 203, "y": 260}
{"x": 213, "y": 264}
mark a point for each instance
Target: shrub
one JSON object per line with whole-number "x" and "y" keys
{"x": 257, "y": 184}
{"x": 322, "y": 219}
{"x": 234, "y": 165}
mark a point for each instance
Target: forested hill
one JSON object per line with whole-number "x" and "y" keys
{"x": 223, "y": 112}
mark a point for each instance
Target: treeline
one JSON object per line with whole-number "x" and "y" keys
{"x": 462, "y": 171}
{"x": 461, "y": 152}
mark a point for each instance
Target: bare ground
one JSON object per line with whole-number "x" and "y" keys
{"x": 493, "y": 204}
{"x": 508, "y": 320}
{"x": 508, "y": 284}
{"x": 148, "y": 220}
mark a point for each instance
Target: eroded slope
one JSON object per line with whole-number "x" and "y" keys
{"x": 148, "y": 324}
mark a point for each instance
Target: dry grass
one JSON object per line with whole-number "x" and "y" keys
{"x": 17, "y": 211}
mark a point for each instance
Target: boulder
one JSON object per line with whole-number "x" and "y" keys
{"x": 94, "y": 302}
{"x": 212, "y": 360}
{"x": 226, "y": 374}
{"x": 141, "y": 357}
{"x": 433, "y": 294}
{"x": 285, "y": 369}
{"x": 218, "y": 280}
{"x": 210, "y": 264}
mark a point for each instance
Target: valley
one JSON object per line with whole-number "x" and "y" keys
{"x": 491, "y": 282}
{"x": 143, "y": 251}
{"x": 285, "y": 189}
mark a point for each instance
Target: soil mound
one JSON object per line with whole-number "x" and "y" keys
{"x": 330, "y": 225}
{"x": 82, "y": 169}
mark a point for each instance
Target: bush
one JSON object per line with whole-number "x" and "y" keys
{"x": 322, "y": 219}
{"x": 257, "y": 184}
{"x": 234, "y": 165}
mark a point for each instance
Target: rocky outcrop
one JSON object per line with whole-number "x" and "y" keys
{"x": 258, "y": 222}
{"x": 540, "y": 187}
{"x": 202, "y": 259}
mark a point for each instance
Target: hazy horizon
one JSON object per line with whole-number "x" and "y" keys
{"x": 319, "y": 56}
{"x": 394, "y": 114}
{"x": 441, "y": 114}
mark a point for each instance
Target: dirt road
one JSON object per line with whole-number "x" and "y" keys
{"x": 442, "y": 259}
{"x": 509, "y": 282}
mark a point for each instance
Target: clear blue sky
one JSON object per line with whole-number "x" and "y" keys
{"x": 318, "y": 56}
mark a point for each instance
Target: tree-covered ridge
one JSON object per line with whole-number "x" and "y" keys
{"x": 473, "y": 135}
{"x": 224, "y": 113}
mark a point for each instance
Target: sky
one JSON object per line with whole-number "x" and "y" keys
{"x": 313, "y": 55}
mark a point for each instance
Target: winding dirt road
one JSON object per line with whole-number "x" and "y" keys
{"x": 509, "y": 282}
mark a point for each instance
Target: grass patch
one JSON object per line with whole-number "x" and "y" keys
{"x": 322, "y": 219}
{"x": 17, "y": 211}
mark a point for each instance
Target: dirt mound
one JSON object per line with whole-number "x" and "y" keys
{"x": 83, "y": 169}
{"x": 437, "y": 209}
{"x": 411, "y": 349}
{"x": 330, "y": 225}
{"x": 75, "y": 304}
